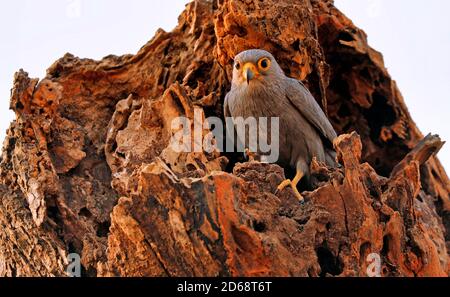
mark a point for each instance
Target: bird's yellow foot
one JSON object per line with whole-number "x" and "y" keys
{"x": 293, "y": 183}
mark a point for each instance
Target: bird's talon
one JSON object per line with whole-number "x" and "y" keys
{"x": 288, "y": 182}
{"x": 299, "y": 196}
{"x": 284, "y": 184}
{"x": 281, "y": 186}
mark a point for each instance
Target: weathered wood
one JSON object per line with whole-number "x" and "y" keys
{"x": 87, "y": 168}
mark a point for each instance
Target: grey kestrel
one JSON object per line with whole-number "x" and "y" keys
{"x": 261, "y": 89}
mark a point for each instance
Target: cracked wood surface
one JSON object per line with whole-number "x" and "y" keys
{"x": 86, "y": 166}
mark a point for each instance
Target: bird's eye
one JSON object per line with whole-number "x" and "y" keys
{"x": 264, "y": 64}
{"x": 237, "y": 65}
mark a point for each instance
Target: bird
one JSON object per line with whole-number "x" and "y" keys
{"x": 260, "y": 88}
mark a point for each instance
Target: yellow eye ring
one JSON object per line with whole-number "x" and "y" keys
{"x": 264, "y": 64}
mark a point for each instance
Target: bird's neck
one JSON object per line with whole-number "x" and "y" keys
{"x": 258, "y": 96}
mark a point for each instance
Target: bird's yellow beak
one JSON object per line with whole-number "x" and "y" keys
{"x": 249, "y": 71}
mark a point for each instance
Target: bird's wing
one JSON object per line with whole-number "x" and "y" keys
{"x": 305, "y": 103}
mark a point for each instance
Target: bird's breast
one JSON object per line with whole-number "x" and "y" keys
{"x": 255, "y": 103}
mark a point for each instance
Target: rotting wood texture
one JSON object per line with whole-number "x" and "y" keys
{"x": 87, "y": 168}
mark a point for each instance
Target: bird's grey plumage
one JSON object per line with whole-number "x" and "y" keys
{"x": 305, "y": 131}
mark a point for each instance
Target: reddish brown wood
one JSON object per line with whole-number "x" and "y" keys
{"x": 87, "y": 168}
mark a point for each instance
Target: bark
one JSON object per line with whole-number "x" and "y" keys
{"x": 87, "y": 167}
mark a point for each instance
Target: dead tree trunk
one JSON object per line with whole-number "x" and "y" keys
{"x": 87, "y": 168}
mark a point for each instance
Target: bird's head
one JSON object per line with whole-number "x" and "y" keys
{"x": 255, "y": 67}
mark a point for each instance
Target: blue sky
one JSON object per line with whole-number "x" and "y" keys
{"x": 413, "y": 35}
